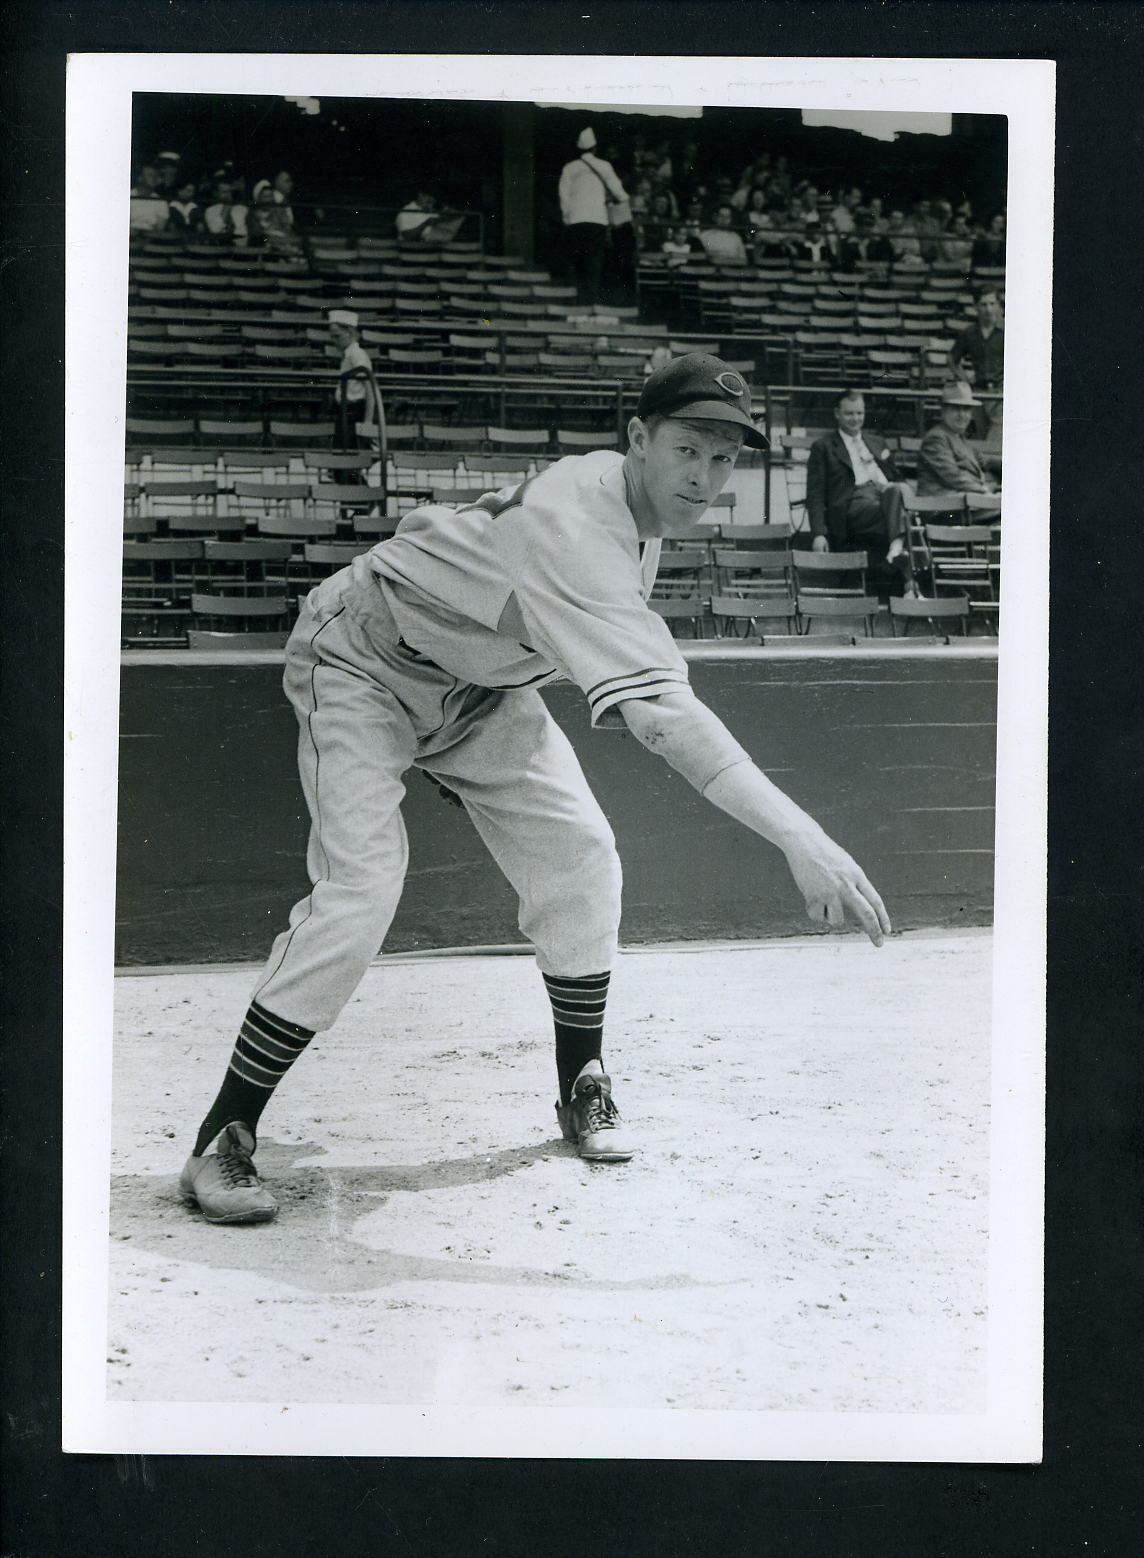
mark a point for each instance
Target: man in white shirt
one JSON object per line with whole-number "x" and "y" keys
{"x": 722, "y": 242}
{"x": 355, "y": 392}
{"x": 588, "y": 188}
{"x": 853, "y": 497}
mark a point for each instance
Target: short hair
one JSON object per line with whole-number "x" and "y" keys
{"x": 847, "y": 394}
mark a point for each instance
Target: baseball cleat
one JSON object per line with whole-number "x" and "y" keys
{"x": 592, "y": 1121}
{"x": 225, "y": 1184}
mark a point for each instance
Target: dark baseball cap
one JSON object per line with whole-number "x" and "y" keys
{"x": 701, "y": 386}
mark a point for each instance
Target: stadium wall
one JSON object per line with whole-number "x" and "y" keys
{"x": 894, "y": 754}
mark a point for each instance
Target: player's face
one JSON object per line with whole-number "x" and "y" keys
{"x": 850, "y": 415}
{"x": 681, "y": 467}
{"x": 957, "y": 418}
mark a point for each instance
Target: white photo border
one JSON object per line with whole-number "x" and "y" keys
{"x": 99, "y": 107}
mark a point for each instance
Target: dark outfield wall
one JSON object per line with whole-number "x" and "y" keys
{"x": 895, "y": 757}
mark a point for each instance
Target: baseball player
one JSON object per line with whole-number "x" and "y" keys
{"x": 427, "y": 652}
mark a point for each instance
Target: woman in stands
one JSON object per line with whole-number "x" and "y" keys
{"x": 185, "y": 215}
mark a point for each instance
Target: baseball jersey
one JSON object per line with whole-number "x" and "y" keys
{"x": 534, "y": 582}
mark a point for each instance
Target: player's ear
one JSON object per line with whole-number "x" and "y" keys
{"x": 638, "y": 436}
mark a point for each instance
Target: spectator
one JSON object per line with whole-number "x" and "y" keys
{"x": 272, "y": 222}
{"x": 587, "y": 184}
{"x": 658, "y": 225}
{"x": 146, "y": 185}
{"x": 864, "y": 246}
{"x": 641, "y": 198}
{"x": 766, "y": 242}
{"x": 957, "y": 244}
{"x": 148, "y": 210}
{"x": 415, "y": 221}
{"x": 226, "y": 220}
{"x": 989, "y": 248}
{"x": 927, "y": 230}
{"x": 693, "y": 216}
{"x": 947, "y": 461}
{"x": 877, "y": 215}
{"x": 354, "y": 395}
{"x": 904, "y": 240}
{"x": 981, "y": 346}
{"x": 722, "y": 242}
{"x": 660, "y": 357}
{"x": 814, "y": 248}
{"x": 842, "y": 214}
{"x": 170, "y": 180}
{"x": 680, "y": 247}
{"x": 853, "y": 497}
{"x": 185, "y": 213}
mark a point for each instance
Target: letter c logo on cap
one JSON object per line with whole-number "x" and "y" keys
{"x": 731, "y": 383}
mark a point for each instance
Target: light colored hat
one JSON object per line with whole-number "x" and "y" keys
{"x": 169, "y": 156}
{"x": 343, "y": 316}
{"x": 955, "y": 392}
{"x": 586, "y": 140}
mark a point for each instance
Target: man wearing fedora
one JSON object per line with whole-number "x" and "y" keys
{"x": 588, "y": 188}
{"x": 854, "y": 500}
{"x": 947, "y": 461}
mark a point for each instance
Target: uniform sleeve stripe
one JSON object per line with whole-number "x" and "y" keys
{"x": 645, "y": 681}
{"x": 650, "y": 670}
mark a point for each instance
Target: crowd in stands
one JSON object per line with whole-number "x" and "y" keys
{"x": 215, "y": 207}
{"x": 685, "y": 207}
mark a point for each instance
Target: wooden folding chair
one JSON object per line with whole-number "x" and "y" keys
{"x": 858, "y": 608}
{"x": 680, "y": 609}
{"x": 737, "y": 616}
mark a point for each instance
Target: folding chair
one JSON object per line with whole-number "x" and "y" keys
{"x": 278, "y": 509}
{"x": 238, "y": 613}
{"x": 155, "y": 430}
{"x": 736, "y": 616}
{"x": 830, "y": 574}
{"x": 756, "y": 536}
{"x": 248, "y": 567}
{"x": 322, "y": 558}
{"x": 187, "y": 507}
{"x": 959, "y": 560}
{"x": 159, "y": 577}
{"x": 680, "y": 609}
{"x": 859, "y": 608}
{"x": 568, "y": 440}
{"x": 741, "y": 573}
{"x": 680, "y": 571}
{"x": 333, "y": 504}
{"x": 908, "y": 609}
{"x": 309, "y": 434}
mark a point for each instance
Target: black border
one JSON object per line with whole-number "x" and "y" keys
{"x": 1085, "y": 1498}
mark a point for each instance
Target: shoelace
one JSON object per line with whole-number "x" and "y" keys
{"x": 600, "y": 1113}
{"x": 237, "y": 1171}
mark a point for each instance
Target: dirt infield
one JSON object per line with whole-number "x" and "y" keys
{"x": 805, "y": 1227}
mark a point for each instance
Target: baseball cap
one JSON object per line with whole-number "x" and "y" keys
{"x": 586, "y": 139}
{"x": 699, "y": 385}
{"x": 343, "y": 316}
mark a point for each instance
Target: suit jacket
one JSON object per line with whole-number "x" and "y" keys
{"x": 949, "y": 463}
{"x": 830, "y": 482}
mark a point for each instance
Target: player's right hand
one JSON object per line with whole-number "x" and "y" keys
{"x": 834, "y": 885}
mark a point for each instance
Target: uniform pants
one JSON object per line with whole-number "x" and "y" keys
{"x": 368, "y": 709}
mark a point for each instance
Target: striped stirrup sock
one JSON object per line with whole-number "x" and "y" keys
{"x": 266, "y": 1048}
{"x": 578, "y": 1014}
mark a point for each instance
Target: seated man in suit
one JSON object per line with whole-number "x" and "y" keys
{"x": 853, "y": 498}
{"x": 947, "y": 461}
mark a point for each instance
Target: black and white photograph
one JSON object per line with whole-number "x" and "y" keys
{"x": 557, "y": 720}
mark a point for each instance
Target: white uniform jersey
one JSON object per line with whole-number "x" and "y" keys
{"x": 534, "y": 582}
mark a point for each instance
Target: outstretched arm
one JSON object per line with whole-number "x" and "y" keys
{"x": 695, "y": 742}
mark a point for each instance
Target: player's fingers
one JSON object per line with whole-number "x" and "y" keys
{"x": 873, "y": 898}
{"x": 866, "y": 915}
